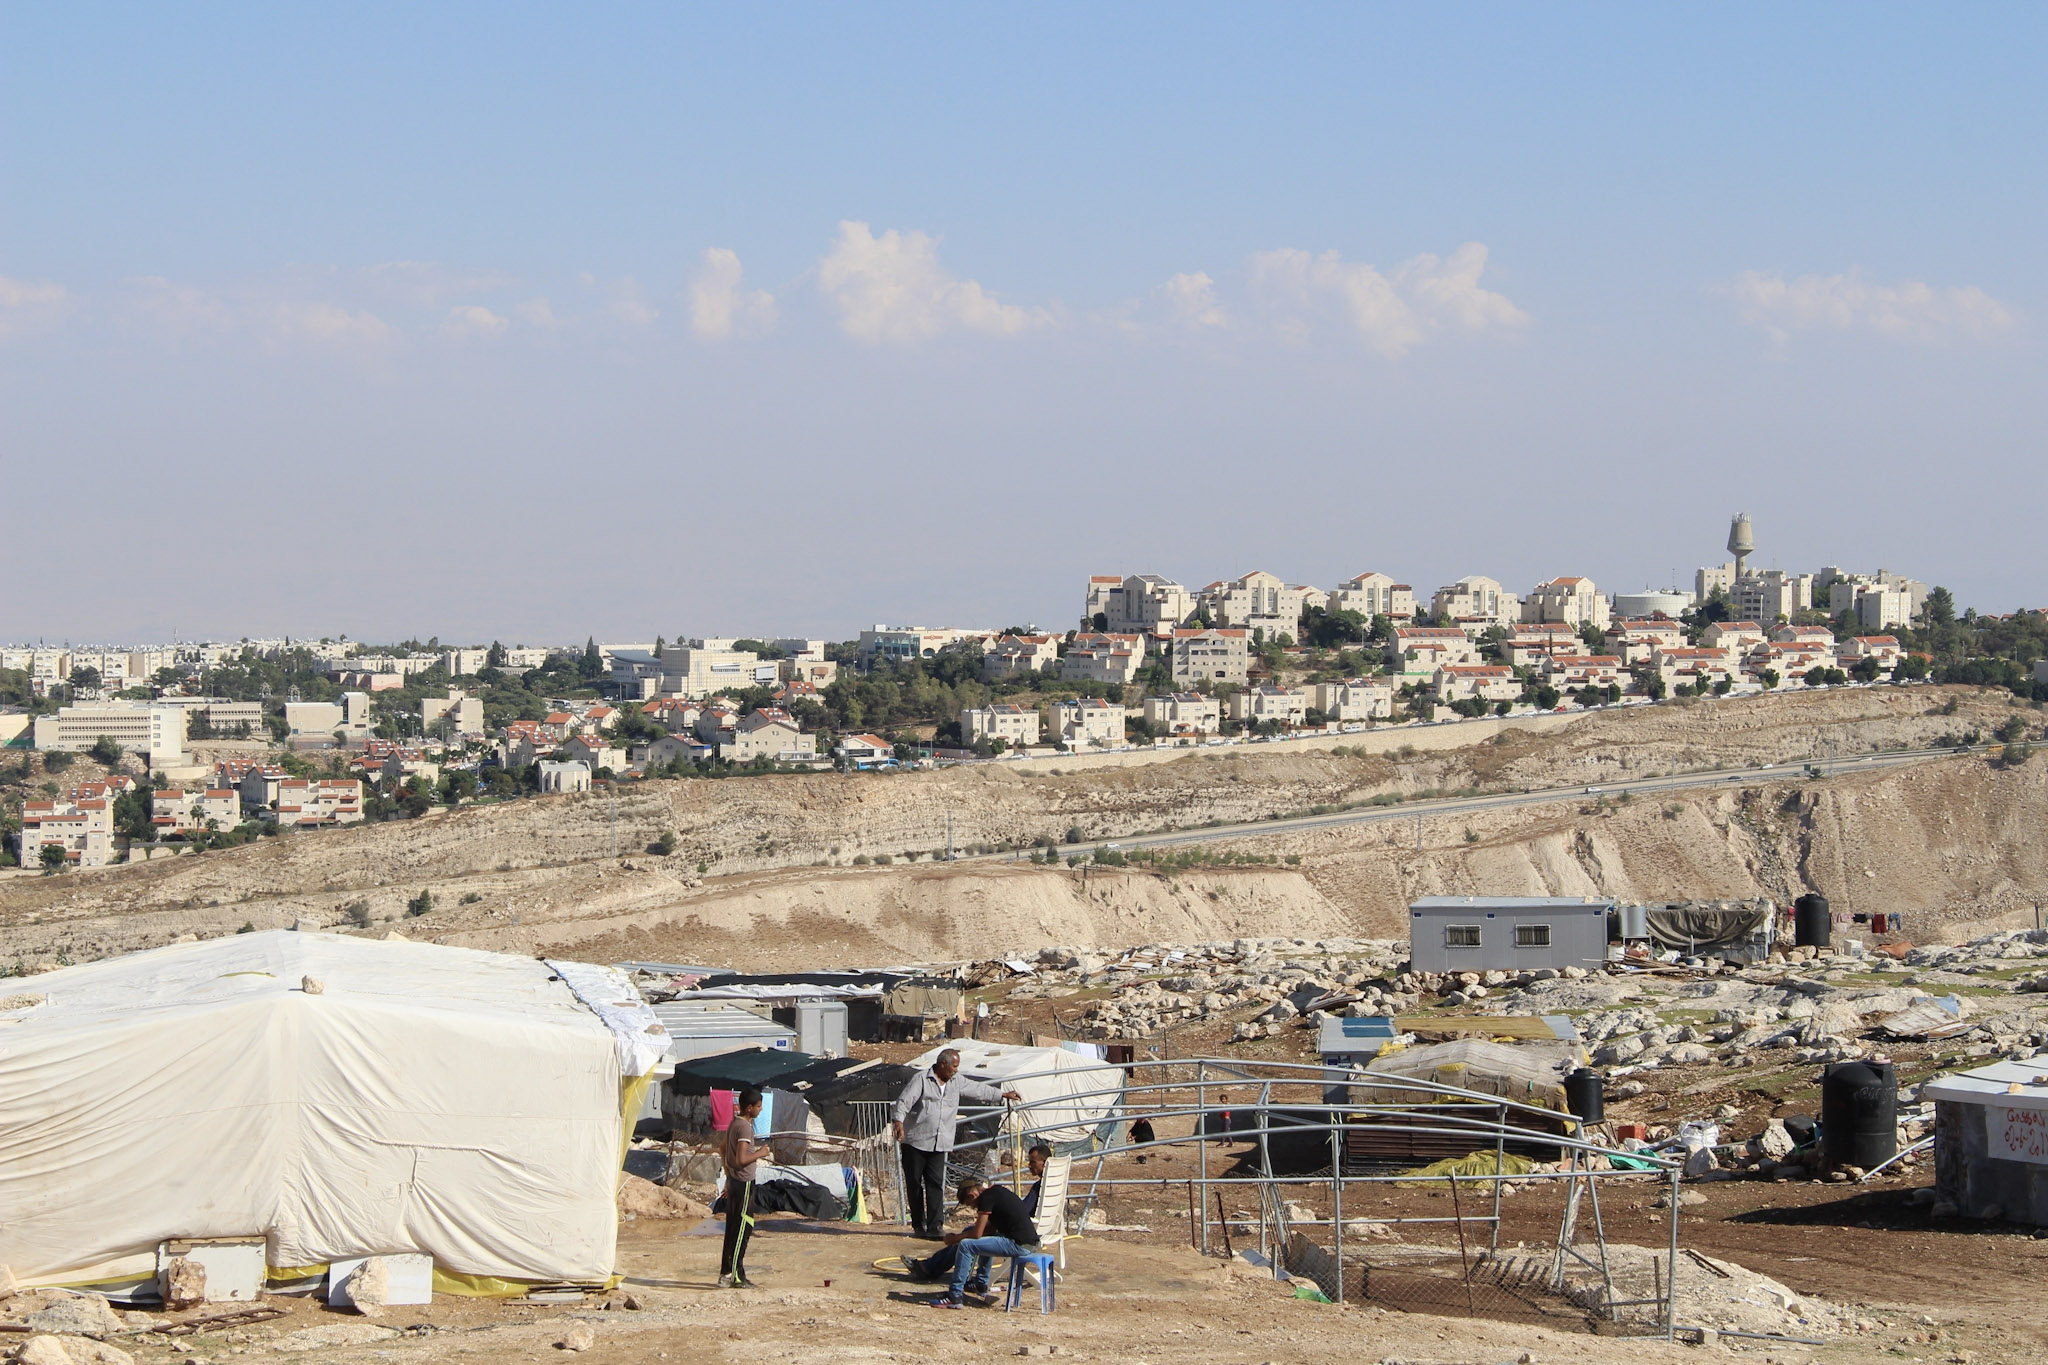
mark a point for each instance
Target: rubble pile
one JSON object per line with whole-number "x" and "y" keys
{"x": 1283, "y": 980}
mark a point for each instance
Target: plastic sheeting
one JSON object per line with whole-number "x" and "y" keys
{"x": 426, "y": 1099}
{"x": 1074, "y": 1097}
{"x": 1689, "y": 928}
{"x": 1531, "y": 1073}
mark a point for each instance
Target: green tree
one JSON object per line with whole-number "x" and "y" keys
{"x": 105, "y": 750}
{"x": 52, "y": 858}
{"x": 86, "y": 679}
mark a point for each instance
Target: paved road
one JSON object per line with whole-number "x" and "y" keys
{"x": 1794, "y": 771}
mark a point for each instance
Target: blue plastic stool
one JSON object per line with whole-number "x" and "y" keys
{"x": 1043, "y": 1261}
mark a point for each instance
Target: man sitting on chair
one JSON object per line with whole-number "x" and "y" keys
{"x": 939, "y": 1265}
{"x": 1001, "y": 1228}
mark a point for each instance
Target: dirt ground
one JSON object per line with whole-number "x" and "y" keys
{"x": 1122, "y": 1299}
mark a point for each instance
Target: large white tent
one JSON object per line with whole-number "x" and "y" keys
{"x": 1072, "y": 1098}
{"x": 339, "y": 1097}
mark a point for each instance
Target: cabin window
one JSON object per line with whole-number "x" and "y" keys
{"x": 1532, "y": 936}
{"x": 1461, "y": 936}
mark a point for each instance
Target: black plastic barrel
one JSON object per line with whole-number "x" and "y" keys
{"x": 1859, "y": 1114}
{"x": 1585, "y": 1095}
{"x": 1810, "y": 921}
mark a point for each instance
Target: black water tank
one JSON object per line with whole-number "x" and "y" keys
{"x": 1810, "y": 921}
{"x": 1585, "y": 1095}
{"x": 1859, "y": 1114}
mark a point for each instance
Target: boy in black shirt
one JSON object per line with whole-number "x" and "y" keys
{"x": 1001, "y": 1228}
{"x": 939, "y": 1265}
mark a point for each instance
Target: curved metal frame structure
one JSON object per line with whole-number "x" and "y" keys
{"x": 1216, "y": 1085}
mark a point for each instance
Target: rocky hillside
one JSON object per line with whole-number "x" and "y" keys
{"x": 763, "y": 871}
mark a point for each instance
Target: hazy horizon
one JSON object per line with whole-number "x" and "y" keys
{"x": 504, "y": 322}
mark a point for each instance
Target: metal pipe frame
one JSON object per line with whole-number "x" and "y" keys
{"x": 1436, "y": 1110}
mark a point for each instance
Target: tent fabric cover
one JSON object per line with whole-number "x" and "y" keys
{"x": 1687, "y": 927}
{"x": 429, "y": 1099}
{"x": 1530, "y": 1073}
{"x": 1073, "y": 1096}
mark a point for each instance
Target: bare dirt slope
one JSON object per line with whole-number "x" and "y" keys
{"x": 1947, "y": 838}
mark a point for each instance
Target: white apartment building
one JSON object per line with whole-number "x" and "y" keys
{"x": 1016, "y": 726}
{"x": 1573, "y": 602}
{"x": 1184, "y": 713}
{"x": 595, "y": 752}
{"x": 1286, "y": 706}
{"x": 1708, "y": 581}
{"x": 175, "y": 811}
{"x": 1880, "y": 601}
{"x": 1488, "y": 682}
{"x": 83, "y": 829}
{"x": 1686, "y": 664}
{"x": 523, "y": 657}
{"x": 1528, "y": 646}
{"x": 816, "y": 672}
{"x": 1113, "y": 659}
{"x": 464, "y": 713}
{"x": 312, "y": 719}
{"x": 152, "y": 728}
{"x": 1771, "y": 595}
{"x": 1087, "y": 723}
{"x": 1258, "y": 601}
{"x": 1569, "y": 672}
{"x": 1791, "y": 662}
{"x": 703, "y": 668}
{"x": 1736, "y": 638}
{"x": 1417, "y": 652}
{"x": 1217, "y": 655}
{"x": 258, "y": 783}
{"x": 1636, "y": 640}
{"x": 1374, "y": 594}
{"x": 1143, "y": 603}
{"x": 307, "y": 802}
{"x": 901, "y": 644}
{"x": 1885, "y": 649}
{"x": 671, "y": 748}
{"x": 564, "y": 777}
{"x": 1018, "y": 655}
{"x": 1355, "y": 699}
{"x": 1478, "y": 600}
{"x": 463, "y": 663}
{"x": 771, "y": 734}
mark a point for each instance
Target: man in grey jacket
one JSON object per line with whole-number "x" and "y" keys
{"x": 926, "y": 1114}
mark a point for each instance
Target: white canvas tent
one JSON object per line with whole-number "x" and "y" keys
{"x": 413, "y": 1098}
{"x": 1074, "y": 1096}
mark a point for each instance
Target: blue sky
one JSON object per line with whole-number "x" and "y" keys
{"x": 536, "y": 322}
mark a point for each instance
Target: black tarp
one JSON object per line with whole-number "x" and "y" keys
{"x": 1687, "y": 928}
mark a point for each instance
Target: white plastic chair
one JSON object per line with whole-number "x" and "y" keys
{"x": 1051, "y": 1219}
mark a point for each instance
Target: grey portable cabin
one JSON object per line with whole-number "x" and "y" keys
{"x": 1506, "y": 933}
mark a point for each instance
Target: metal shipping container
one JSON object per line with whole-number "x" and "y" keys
{"x": 1506, "y": 933}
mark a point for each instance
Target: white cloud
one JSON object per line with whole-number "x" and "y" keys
{"x": 28, "y": 304}
{"x": 719, "y": 307}
{"x": 328, "y": 322}
{"x": 1191, "y": 300}
{"x": 425, "y": 284}
{"x": 1395, "y": 312}
{"x": 892, "y": 288}
{"x": 1907, "y": 311}
{"x": 622, "y": 300}
{"x": 177, "y": 307}
{"x": 469, "y": 319}
{"x": 537, "y": 312}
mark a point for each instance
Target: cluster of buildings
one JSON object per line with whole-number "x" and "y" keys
{"x": 80, "y": 823}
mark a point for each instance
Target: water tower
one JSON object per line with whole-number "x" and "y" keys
{"x": 1741, "y": 542}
